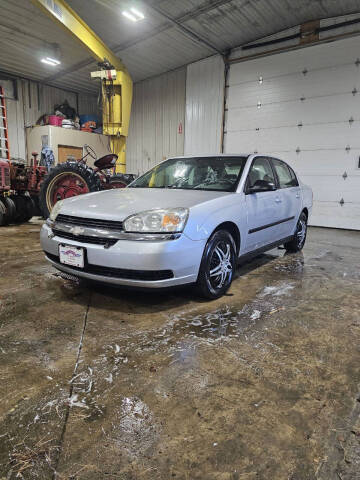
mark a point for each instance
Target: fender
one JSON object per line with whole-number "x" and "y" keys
{"x": 203, "y": 226}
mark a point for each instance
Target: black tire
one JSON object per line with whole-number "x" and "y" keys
{"x": 37, "y": 212}
{"x": 209, "y": 284}
{"x": 21, "y": 205}
{"x": 3, "y": 214}
{"x": 122, "y": 179}
{"x": 29, "y": 208}
{"x": 10, "y": 210}
{"x": 87, "y": 174}
{"x": 298, "y": 241}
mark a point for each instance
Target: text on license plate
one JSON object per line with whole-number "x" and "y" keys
{"x": 71, "y": 255}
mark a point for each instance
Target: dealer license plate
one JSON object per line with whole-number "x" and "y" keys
{"x": 71, "y": 255}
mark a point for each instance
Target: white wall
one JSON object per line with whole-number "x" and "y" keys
{"x": 34, "y": 100}
{"x": 157, "y": 121}
{"x": 204, "y": 106}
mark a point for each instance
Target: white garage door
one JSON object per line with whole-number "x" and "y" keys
{"x": 304, "y": 107}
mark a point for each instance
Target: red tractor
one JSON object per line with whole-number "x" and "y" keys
{"x": 26, "y": 191}
{"x": 7, "y": 206}
{"x": 19, "y": 189}
{"x": 74, "y": 178}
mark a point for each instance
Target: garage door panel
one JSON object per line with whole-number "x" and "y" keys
{"x": 318, "y": 137}
{"x": 323, "y": 162}
{"x": 291, "y": 87}
{"x": 315, "y": 57}
{"x": 348, "y": 189}
{"x": 346, "y": 216}
{"x": 339, "y": 108}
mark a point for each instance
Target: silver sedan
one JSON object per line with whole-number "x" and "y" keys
{"x": 187, "y": 220}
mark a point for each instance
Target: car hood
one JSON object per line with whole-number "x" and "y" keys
{"x": 118, "y": 204}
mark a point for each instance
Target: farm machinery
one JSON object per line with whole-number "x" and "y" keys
{"x": 27, "y": 191}
{"x": 19, "y": 190}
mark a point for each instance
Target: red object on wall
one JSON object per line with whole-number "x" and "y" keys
{"x": 180, "y": 128}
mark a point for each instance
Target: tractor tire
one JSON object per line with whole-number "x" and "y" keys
{"x": 120, "y": 180}
{"x": 3, "y": 219}
{"x": 29, "y": 208}
{"x": 36, "y": 212}
{"x": 10, "y": 210}
{"x": 21, "y": 208}
{"x": 66, "y": 180}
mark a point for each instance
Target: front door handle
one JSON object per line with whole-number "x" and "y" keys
{"x": 278, "y": 200}
{"x": 297, "y": 195}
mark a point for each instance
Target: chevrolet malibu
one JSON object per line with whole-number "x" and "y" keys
{"x": 189, "y": 220}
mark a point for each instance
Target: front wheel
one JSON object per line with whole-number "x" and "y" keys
{"x": 298, "y": 241}
{"x": 217, "y": 265}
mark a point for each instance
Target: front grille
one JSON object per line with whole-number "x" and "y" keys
{"x": 89, "y": 222}
{"x": 142, "y": 275}
{"x": 85, "y": 238}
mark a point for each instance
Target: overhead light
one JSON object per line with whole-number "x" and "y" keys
{"x": 50, "y": 61}
{"x": 138, "y": 14}
{"x": 134, "y": 15}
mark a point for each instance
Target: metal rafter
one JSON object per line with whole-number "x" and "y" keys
{"x": 210, "y": 5}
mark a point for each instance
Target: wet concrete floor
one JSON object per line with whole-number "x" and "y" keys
{"x": 101, "y": 383}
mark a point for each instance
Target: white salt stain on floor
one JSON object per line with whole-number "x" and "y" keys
{"x": 277, "y": 291}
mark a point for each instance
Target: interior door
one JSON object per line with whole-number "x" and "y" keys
{"x": 261, "y": 208}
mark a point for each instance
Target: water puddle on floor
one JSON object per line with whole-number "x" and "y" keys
{"x": 235, "y": 321}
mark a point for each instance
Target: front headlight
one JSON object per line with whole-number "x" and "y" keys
{"x": 169, "y": 220}
{"x": 56, "y": 210}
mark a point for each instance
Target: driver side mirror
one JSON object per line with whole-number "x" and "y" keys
{"x": 261, "y": 186}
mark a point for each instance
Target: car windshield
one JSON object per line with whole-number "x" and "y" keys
{"x": 196, "y": 173}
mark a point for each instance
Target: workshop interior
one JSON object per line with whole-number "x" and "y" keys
{"x": 179, "y": 240}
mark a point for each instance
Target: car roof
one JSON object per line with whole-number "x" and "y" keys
{"x": 213, "y": 155}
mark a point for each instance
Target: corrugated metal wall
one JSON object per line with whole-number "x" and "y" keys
{"x": 204, "y": 106}
{"x": 157, "y": 121}
{"x": 33, "y": 100}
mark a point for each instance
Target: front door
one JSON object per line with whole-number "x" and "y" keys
{"x": 262, "y": 208}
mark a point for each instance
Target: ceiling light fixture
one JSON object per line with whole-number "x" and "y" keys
{"x": 50, "y": 61}
{"x": 134, "y": 15}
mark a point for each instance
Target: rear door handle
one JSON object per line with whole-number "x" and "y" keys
{"x": 278, "y": 200}
{"x": 297, "y": 195}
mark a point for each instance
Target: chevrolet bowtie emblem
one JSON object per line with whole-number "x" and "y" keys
{"x": 77, "y": 230}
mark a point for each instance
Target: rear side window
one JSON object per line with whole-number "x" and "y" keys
{"x": 285, "y": 175}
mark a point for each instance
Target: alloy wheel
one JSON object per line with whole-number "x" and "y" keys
{"x": 220, "y": 265}
{"x": 301, "y": 231}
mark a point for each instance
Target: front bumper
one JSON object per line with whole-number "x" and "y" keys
{"x": 181, "y": 256}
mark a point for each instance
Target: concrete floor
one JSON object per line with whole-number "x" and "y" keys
{"x": 99, "y": 383}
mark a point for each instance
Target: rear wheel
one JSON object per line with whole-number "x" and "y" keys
{"x": 66, "y": 180}
{"x": 22, "y": 208}
{"x": 217, "y": 265}
{"x": 29, "y": 208}
{"x": 119, "y": 180}
{"x": 10, "y": 210}
{"x": 3, "y": 219}
{"x": 298, "y": 241}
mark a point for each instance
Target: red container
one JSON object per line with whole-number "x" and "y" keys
{"x": 55, "y": 120}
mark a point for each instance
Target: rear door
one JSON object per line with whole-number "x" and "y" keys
{"x": 290, "y": 197}
{"x": 262, "y": 208}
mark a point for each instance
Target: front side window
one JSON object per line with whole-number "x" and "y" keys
{"x": 260, "y": 171}
{"x": 195, "y": 173}
{"x": 286, "y": 178}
